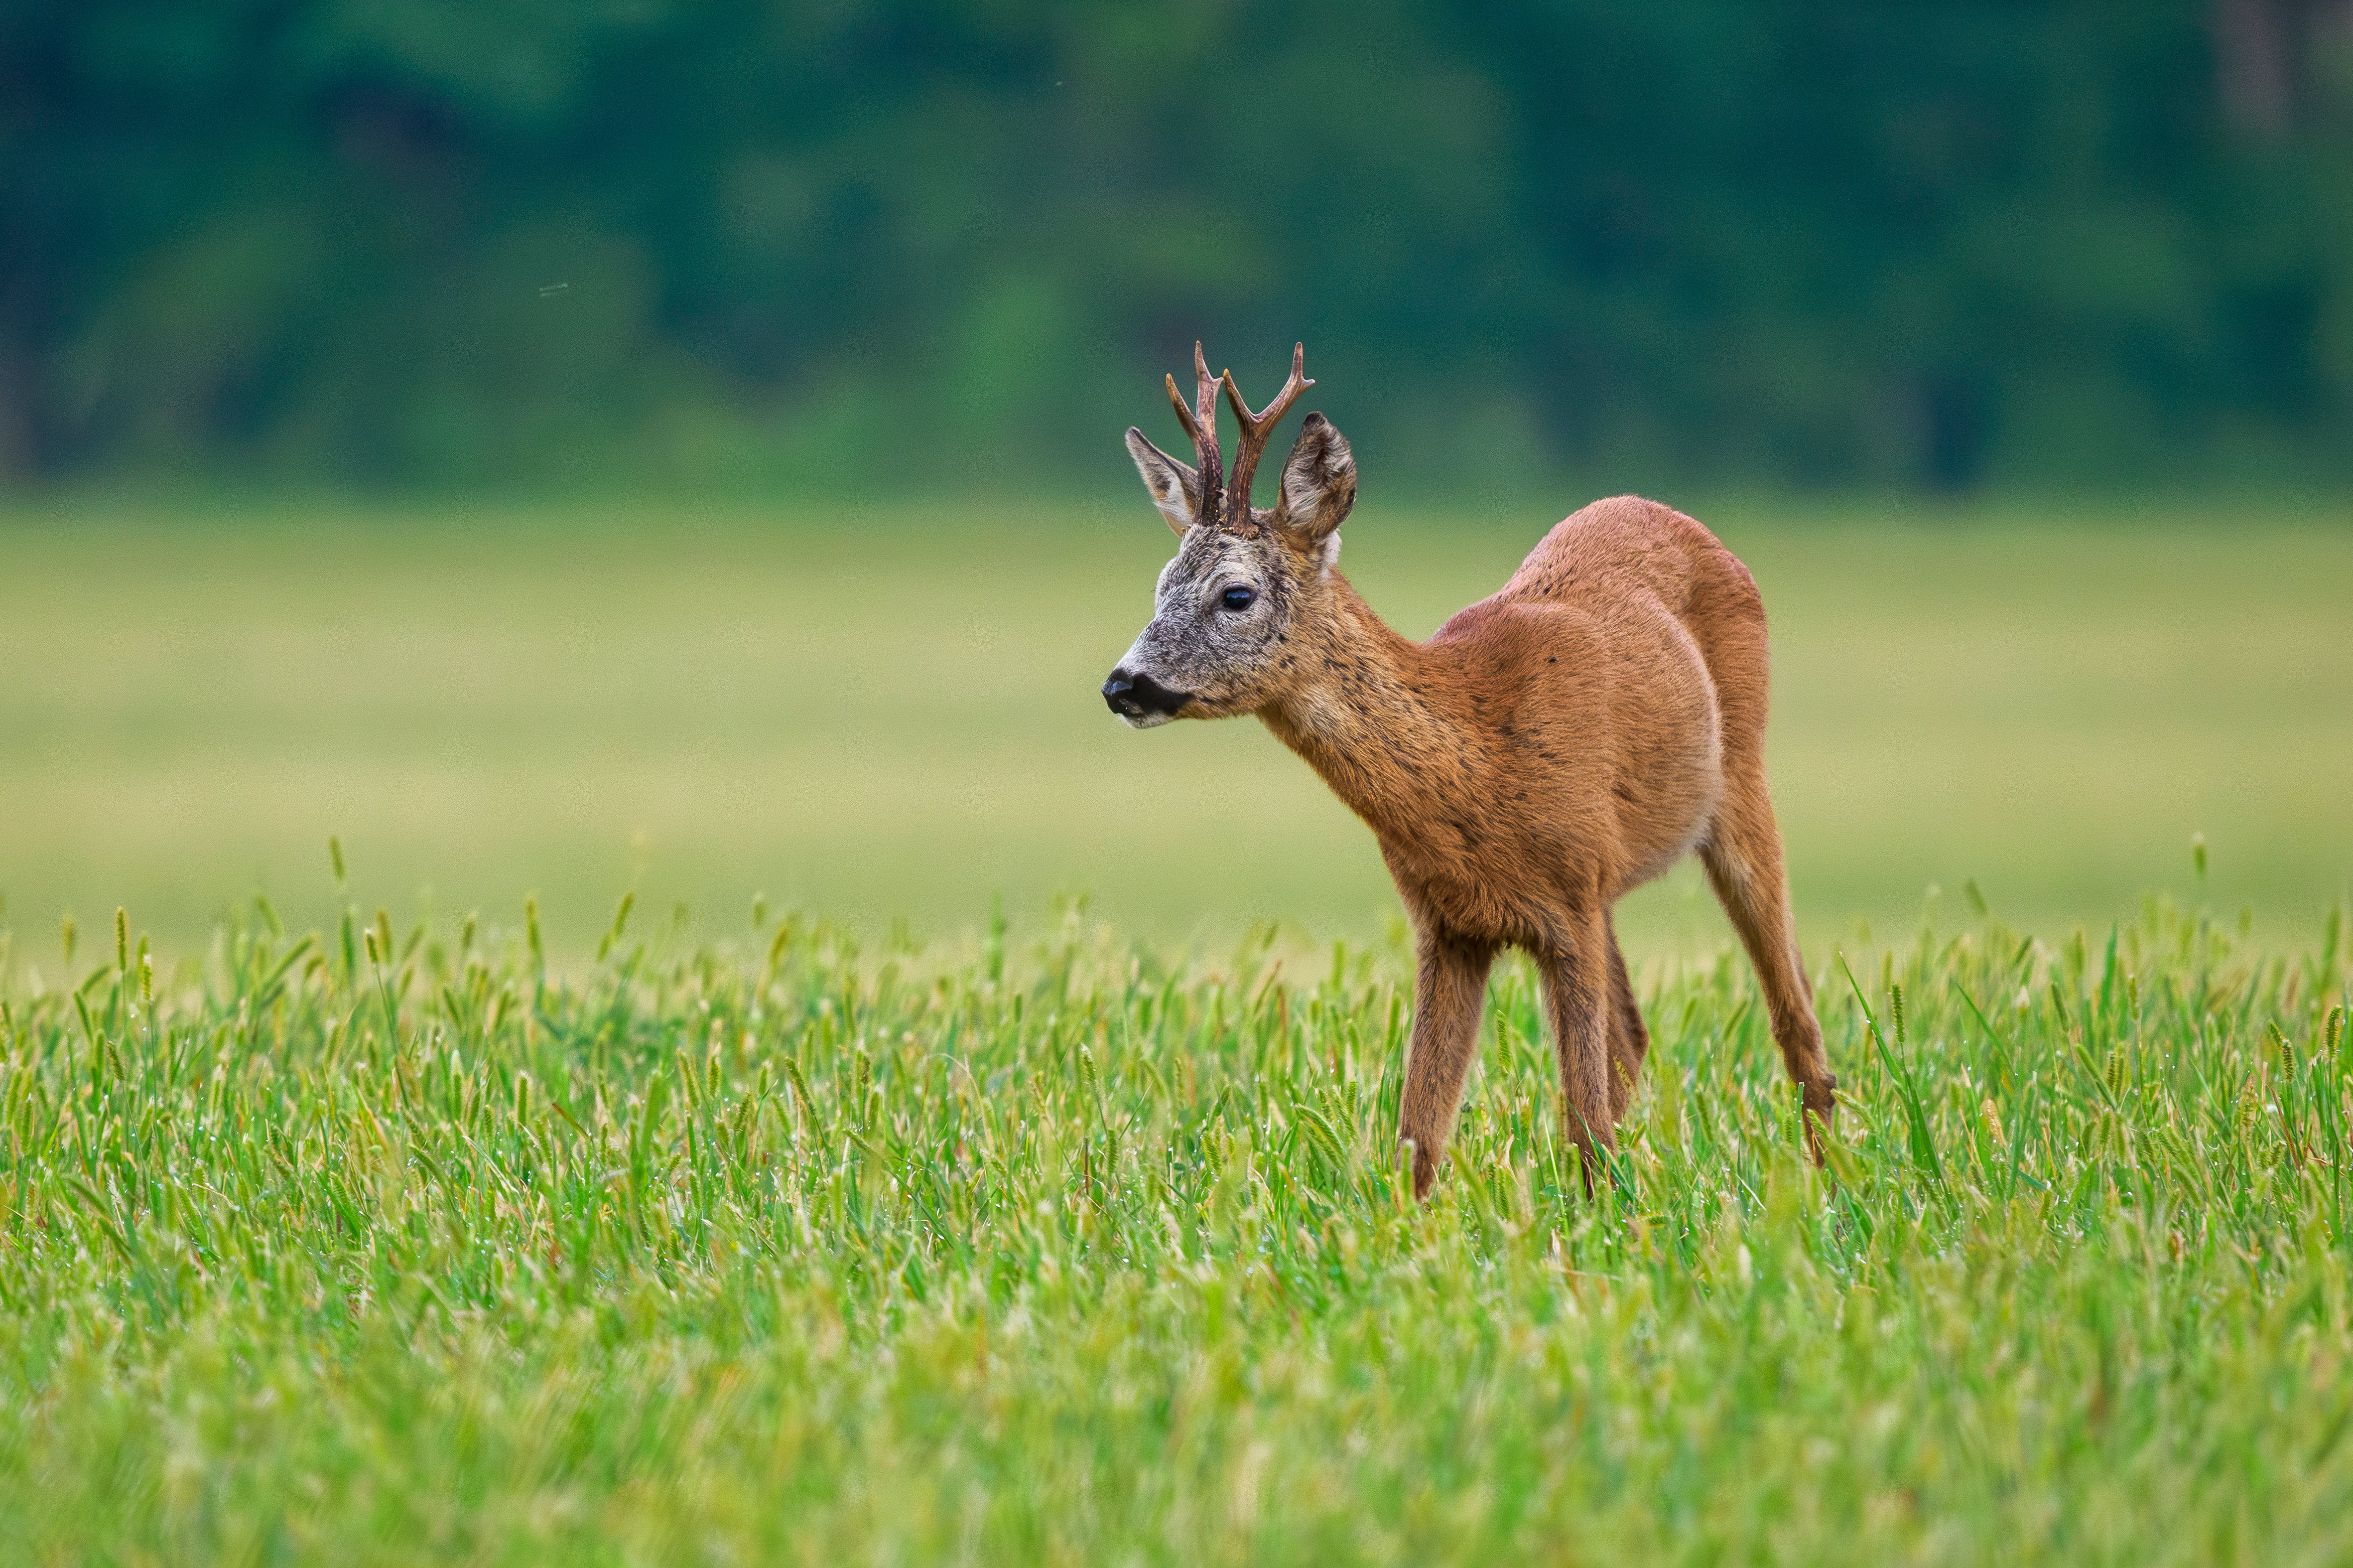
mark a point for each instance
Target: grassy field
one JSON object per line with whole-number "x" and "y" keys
{"x": 457, "y": 1234}
{"x": 393, "y": 1247}
{"x": 880, "y": 713}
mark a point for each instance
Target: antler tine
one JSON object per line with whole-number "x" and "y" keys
{"x": 1201, "y": 424}
{"x": 1257, "y": 428}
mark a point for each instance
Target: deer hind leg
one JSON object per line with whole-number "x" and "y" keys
{"x": 1579, "y": 993}
{"x": 1450, "y": 992}
{"x": 1743, "y": 854}
{"x": 1629, "y": 1040}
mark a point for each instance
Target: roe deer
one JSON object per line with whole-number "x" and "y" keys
{"x": 1551, "y": 747}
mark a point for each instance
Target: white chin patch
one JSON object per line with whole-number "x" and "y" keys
{"x": 1147, "y": 721}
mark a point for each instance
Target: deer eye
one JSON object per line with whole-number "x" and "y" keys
{"x": 1238, "y": 598}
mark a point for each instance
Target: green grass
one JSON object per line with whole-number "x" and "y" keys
{"x": 391, "y": 1246}
{"x": 883, "y": 712}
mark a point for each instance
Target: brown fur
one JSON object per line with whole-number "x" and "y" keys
{"x": 1552, "y": 747}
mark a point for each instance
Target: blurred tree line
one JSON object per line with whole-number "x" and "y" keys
{"x": 955, "y": 242}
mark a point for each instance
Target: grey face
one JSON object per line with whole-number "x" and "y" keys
{"x": 1228, "y": 612}
{"x": 1221, "y": 622}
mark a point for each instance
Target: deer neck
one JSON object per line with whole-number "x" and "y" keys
{"x": 1370, "y": 718}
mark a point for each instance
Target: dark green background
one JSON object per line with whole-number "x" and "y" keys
{"x": 1807, "y": 242}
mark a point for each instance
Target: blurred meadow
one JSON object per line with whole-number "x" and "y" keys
{"x": 877, "y": 712}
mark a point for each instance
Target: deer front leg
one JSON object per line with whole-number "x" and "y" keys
{"x": 1450, "y": 991}
{"x": 1578, "y": 992}
{"x": 1630, "y": 1039}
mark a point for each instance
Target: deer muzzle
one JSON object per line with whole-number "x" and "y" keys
{"x": 1139, "y": 698}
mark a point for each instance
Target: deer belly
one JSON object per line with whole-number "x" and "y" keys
{"x": 1665, "y": 794}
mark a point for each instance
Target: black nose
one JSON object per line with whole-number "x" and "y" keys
{"x": 1134, "y": 696}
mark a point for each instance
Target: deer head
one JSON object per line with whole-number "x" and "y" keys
{"x": 1245, "y": 580}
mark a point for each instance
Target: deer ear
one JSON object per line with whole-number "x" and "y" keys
{"x": 1175, "y": 488}
{"x": 1319, "y": 484}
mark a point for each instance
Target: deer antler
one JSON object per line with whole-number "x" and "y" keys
{"x": 1202, "y": 425}
{"x": 1257, "y": 428}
